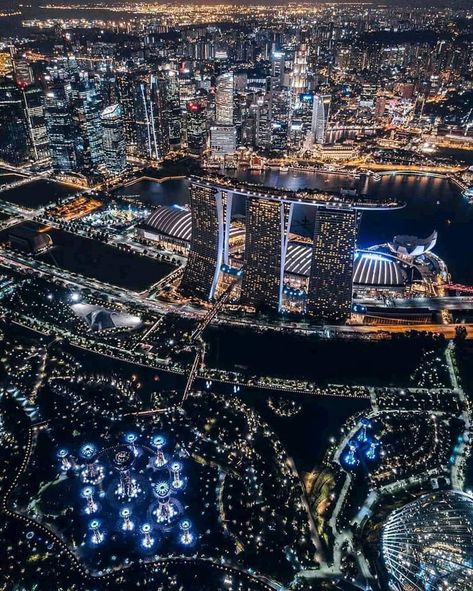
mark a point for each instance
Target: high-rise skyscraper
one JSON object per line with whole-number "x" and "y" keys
{"x": 152, "y": 124}
{"x": 267, "y": 229}
{"x": 299, "y": 71}
{"x": 14, "y": 137}
{"x": 211, "y": 216}
{"x": 277, "y": 66}
{"x": 196, "y": 125}
{"x": 173, "y": 108}
{"x": 72, "y": 112}
{"x": 331, "y": 275}
{"x": 263, "y": 122}
{"x": 33, "y": 102}
{"x": 22, "y": 72}
{"x": 60, "y": 129}
{"x": 126, "y": 97}
{"x": 86, "y": 111}
{"x": 223, "y": 140}
{"x": 224, "y": 99}
{"x": 320, "y": 116}
{"x": 114, "y": 146}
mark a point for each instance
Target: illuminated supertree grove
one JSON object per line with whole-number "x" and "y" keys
{"x": 137, "y": 484}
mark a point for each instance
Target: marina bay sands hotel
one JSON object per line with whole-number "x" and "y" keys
{"x": 268, "y": 219}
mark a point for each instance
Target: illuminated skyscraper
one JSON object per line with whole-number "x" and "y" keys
{"x": 211, "y": 216}
{"x": 196, "y": 123}
{"x": 126, "y": 85}
{"x": 114, "y": 147}
{"x": 60, "y": 129}
{"x": 331, "y": 274}
{"x": 267, "y": 229}
{"x": 320, "y": 116}
{"x": 263, "y": 123}
{"x": 86, "y": 110}
{"x": 151, "y": 118}
{"x": 223, "y": 140}
{"x": 33, "y": 102}
{"x": 14, "y": 145}
{"x": 277, "y": 65}
{"x": 173, "y": 108}
{"x": 224, "y": 99}
{"x": 22, "y": 71}
{"x": 299, "y": 71}
{"x": 72, "y": 111}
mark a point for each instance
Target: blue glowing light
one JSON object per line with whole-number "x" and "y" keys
{"x": 350, "y": 459}
{"x": 186, "y": 537}
{"x": 147, "y": 541}
{"x": 362, "y": 437}
{"x": 131, "y": 437}
{"x": 88, "y": 451}
{"x": 158, "y": 441}
{"x": 161, "y": 489}
{"x": 371, "y": 452}
{"x": 97, "y": 535}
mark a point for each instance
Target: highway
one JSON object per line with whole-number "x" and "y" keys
{"x": 431, "y": 303}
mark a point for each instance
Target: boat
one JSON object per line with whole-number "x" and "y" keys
{"x": 284, "y": 169}
{"x": 376, "y": 177}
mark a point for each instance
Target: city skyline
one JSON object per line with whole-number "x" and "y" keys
{"x": 236, "y": 296}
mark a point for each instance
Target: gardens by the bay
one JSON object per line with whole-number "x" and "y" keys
{"x": 110, "y": 485}
{"x": 122, "y": 501}
{"x": 111, "y": 480}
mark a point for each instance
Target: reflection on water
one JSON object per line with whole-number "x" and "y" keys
{"x": 432, "y": 204}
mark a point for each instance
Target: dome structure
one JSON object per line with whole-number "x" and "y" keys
{"x": 427, "y": 545}
{"x": 99, "y": 318}
{"x": 370, "y": 267}
{"x": 377, "y": 269}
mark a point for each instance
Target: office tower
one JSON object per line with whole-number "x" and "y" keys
{"x": 60, "y": 129}
{"x": 33, "y": 103}
{"x": 267, "y": 229}
{"x": 224, "y": 99}
{"x": 298, "y": 79}
{"x": 173, "y": 108}
{"x": 301, "y": 122}
{"x": 211, "y": 216}
{"x": 263, "y": 123}
{"x": 279, "y": 136}
{"x": 126, "y": 98}
{"x": 320, "y": 116}
{"x": 331, "y": 275}
{"x": 14, "y": 137}
{"x": 22, "y": 72}
{"x": 196, "y": 124}
{"x": 151, "y": 118}
{"x": 114, "y": 146}
{"x": 86, "y": 111}
{"x": 277, "y": 66}
{"x": 223, "y": 140}
{"x": 109, "y": 90}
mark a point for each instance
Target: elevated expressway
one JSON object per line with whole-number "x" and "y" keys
{"x": 435, "y": 304}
